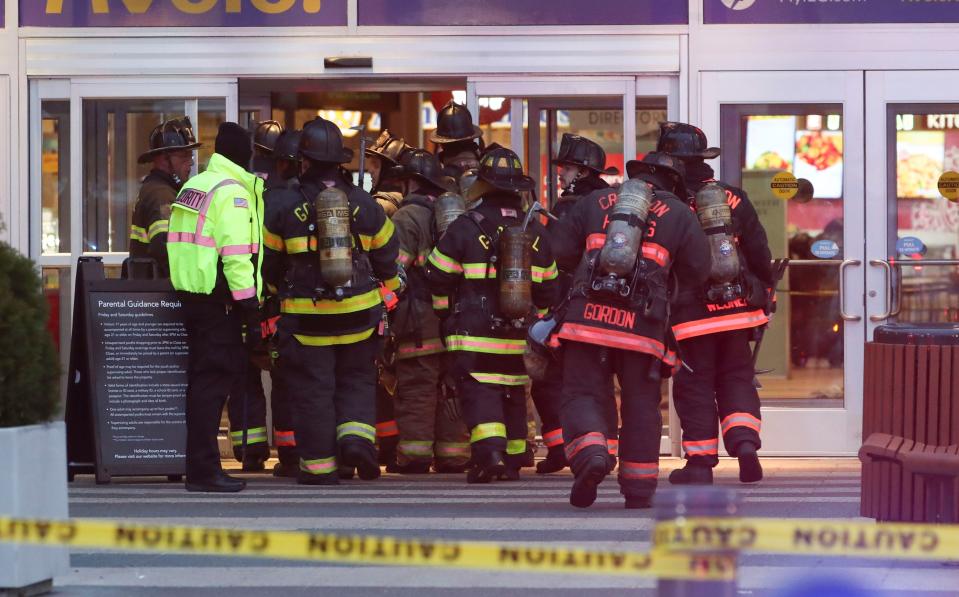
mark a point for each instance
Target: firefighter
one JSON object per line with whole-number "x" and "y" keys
{"x": 714, "y": 329}
{"x": 215, "y": 254}
{"x": 488, "y": 276}
{"x": 330, "y": 250}
{"x": 172, "y": 144}
{"x": 580, "y": 163}
{"x": 429, "y": 434}
{"x": 265, "y": 136}
{"x": 456, "y": 136}
{"x": 627, "y": 242}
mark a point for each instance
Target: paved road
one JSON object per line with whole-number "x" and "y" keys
{"x": 532, "y": 511}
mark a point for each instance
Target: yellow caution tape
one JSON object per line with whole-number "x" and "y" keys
{"x": 811, "y": 537}
{"x": 356, "y": 549}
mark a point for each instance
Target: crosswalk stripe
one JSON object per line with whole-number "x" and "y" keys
{"x": 434, "y": 500}
{"x": 594, "y": 522}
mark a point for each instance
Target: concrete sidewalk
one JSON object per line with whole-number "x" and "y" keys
{"x": 532, "y": 511}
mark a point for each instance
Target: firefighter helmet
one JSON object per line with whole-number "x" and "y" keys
{"x": 322, "y": 141}
{"x": 500, "y": 169}
{"x": 172, "y": 135}
{"x": 655, "y": 164}
{"x": 580, "y": 151}
{"x": 288, "y": 146}
{"x": 423, "y": 166}
{"x": 454, "y": 123}
{"x": 266, "y": 134}
{"x": 682, "y": 140}
{"x": 388, "y": 148}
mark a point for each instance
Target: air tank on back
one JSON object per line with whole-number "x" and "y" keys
{"x": 447, "y": 208}
{"x": 515, "y": 273}
{"x": 335, "y": 248}
{"x": 716, "y": 218}
{"x": 624, "y": 234}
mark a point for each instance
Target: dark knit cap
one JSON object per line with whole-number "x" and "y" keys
{"x": 235, "y": 144}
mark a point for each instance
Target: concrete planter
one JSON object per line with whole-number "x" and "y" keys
{"x": 33, "y": 485}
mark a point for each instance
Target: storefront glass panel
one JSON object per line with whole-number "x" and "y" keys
{"x": 802, "y": 349}
{"x": 54, "y": 179}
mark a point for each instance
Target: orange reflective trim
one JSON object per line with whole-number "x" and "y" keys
{"x": 638, "y": 470}
{"x": 613, "y": 445}
{"x": 554, "y": 438}
{"x": 595, "y": 242}
{"x": 706, "y": 447}
{"x": 656, "y": 253}
{"x": 593, "y": 438}
{"x": 284, "y": 439}
{"x": 603, "y": 337}
{"x": 741, "y": 420}
{"x": 714, "y": 325}
{"x": 387, "y": 429}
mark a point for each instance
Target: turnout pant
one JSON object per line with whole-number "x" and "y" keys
{"x": 250, "y": 389}
{"x": 548, "y": 396}
{"x": 496, "y": 417}
{"x": 284, "y": 437}
{"x": 588, "y": 371}
{"x": 332, "y": 390}
{"x": 720, "y": 386}
{"x": 387, "y": 431}
{"x": 426, "y": 430}
{"x": 217, "y": 360}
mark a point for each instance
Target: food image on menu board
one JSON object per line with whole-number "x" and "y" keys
{"x": 769, "y": 142}
{"x": 819, "y": 159}
{"x": 920, "y": 157}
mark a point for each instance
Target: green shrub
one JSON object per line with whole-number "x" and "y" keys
{"x": 29, "y": 367}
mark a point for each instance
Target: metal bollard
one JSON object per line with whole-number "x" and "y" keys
{"x": 688, "y": 502}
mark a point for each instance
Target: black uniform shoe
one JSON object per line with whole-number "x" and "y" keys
{"x": 219, "y": 483}
{"x": 413, "y": 468}
{"x": 587, "y": 480}
{"x": 638, "y": 503}
{"x": 450, "y": 469}
{"x": 490, "y": 467}
{"x": 392, "y": 467}
{"x": 345, "y": 472}
{"x": 692, "y": 474}
{"x": 363, "y": 458}
{"x": 254, "y": 465}
{"x": 529, "y": 458}
{"x": 510, "y": 474}
{"x": 308, "y": 479}
{"x": 555, "y": 461}
{"x": 750, "y": 470}
{"x": 288, "y": 470}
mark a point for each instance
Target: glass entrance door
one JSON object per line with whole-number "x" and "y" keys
{"x": 811, "y": 126}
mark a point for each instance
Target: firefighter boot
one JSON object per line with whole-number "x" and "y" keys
{"x": 692, "y": 474}
{"x": 638, "y": 502}
{"x": 308, "y": 479}
{"x": 413, "y": 468}
{"x": 554, "y": 462}
{"x": 362, "y": 457}
{"x": 286, "y": 470}
{"x": 346, "y": 472}
{"x": 750, "y": 470}
{"x": 511, "y": 473}
{"x": 588, "y": 478}
{"x": 486, "y": 467}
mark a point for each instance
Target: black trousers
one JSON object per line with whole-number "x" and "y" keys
{"x": 548, "y": 397}
{"x": 387, "y": 430}
{"x": 249, "y": 388}
{"x": 588, "y": 371}
{"x": 284, "y": 436}
{"x": 333, "y": 394}
{"x": 720, "y": 387}
{"x": 496, "y": 418}
{"x": 217, "y": 360}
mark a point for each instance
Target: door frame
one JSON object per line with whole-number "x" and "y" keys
{"x": 817, "y": 431}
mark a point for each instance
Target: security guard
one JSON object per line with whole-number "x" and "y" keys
{"x": 580, "y": 163}
{"x": 614, "y": 322}
{"x": 480, "y": 292}
{"x": 456, "y": 136}
{"x": 171, "y": 153}
{"x": 714, "y": 336}
{"x": 329, "y": 248}
{"x": 215, "y": 254}
{"x": 429, "y": 433}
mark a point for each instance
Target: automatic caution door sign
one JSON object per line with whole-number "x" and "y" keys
{"x": 784, "y": 185}
{"x": 949, "y": 185}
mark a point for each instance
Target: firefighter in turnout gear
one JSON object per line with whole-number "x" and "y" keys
{"x": 172, "y": 144}
{"x": 265, "y": 136}
{"x": 382, "y": 161}
{"x": 214, "y": 246}
{"x": 488, "y": 275}
{"x": 331, "y": 252}
{"x": 627, "y": 243}
{"x": 456, "y": 136}
{"x": 714, "y": 329}
{"x": 580, "y": 163}
{"x": 428, "y": 432}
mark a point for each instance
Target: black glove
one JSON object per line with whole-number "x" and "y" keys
{"x": 252, "y": 330}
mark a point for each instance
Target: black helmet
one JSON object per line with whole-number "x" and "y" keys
{"x": 580, "y": 151}
{"x": 454, "y": 123}
{"x": 500, "y": 169}
{"x": 682, "y": 140}
{"x": 422, "y": 165}
{"x": 388, "y": 147}
{"x": 655, "y": 163}
{"x": 266, "y": 134}
{"x": 322, "y": 141}
{"x": 172, "y": 135}
{"x": 288, "y": 146}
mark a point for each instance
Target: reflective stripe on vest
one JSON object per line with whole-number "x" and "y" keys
{"x": 577, "y": 332}
{"x": 715, "y": 325}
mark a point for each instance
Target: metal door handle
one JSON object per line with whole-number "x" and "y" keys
{"x": 888, "y": 269}
{"x": 842, "y": 290}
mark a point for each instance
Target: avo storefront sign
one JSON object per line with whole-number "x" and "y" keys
{"x": 279, "y": 13}
{"x": 829, "y": 11}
